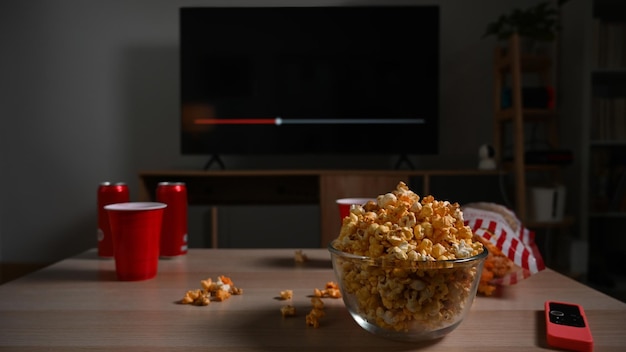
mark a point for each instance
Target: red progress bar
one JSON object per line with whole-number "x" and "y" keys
{"x": 235, "y": 121}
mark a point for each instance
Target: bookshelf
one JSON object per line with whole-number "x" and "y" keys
{"x": 514, "y": 71}
{"x": 606, "y": 117}
{"x": 594, "y": 48}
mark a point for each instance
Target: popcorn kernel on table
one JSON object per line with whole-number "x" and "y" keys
{"x": 288, "y": 311}
{"x": 286, "y": 294}
{"x": 300, "y": 257}
{"x": 219, "y": 290}
{"x": 317, "y": 303}
{"x": 221, "y": 295}
{"x": 196, "y": 298}
{"x": 313, "y": 318}
{"x": 225, "y": 280}
{"x": 331, "y": 290}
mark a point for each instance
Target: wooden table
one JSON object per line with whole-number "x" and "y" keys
{"x": 78, "y": 304}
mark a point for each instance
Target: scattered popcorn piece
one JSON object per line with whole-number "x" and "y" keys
{"x": 313, "y": 318}
{"x": 331, "y": 290}
{"x": 219, "y": 290}
{"x": 286, "y": 294}
{"x": 221, "y": 295}
{"x": 203, "y": 300}
{"x": 317, "y": 312}
{"x": 288, "y": 311}
{"x": 225, "y": 280}
{"x": 207, "y": 284}
{"x": 196, "y": 298}
{"x": 317, "y": 303}
{"x": 333, "y": 293}
{"x": 300, "y": 257}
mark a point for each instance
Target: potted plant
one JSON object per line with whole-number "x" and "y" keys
{"x": 536, "y": 23}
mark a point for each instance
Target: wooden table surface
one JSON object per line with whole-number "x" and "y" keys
{"x": 78, "y": 304}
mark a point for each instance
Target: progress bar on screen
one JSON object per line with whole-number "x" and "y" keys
{"x": 280, "y": 121}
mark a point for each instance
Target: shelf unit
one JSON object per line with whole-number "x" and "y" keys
{"x": 594, "y": 83}
{"x": 511, "y": 69}
{"x": 605, "y": 166}
{"x": 606, "y": 140}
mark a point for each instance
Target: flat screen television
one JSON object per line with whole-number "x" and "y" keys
{"x": 309, "y": 80}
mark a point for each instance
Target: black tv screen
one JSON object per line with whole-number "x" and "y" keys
{"x": 309, "y": 80}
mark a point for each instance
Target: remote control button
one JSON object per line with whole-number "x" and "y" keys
{"x": 557, "y": 313}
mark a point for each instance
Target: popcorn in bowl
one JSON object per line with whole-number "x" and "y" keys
{"x": 408, "y": 268}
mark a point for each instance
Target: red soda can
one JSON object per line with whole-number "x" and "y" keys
{"x": 108, "y": 193}
{"x": 174, "y": 228}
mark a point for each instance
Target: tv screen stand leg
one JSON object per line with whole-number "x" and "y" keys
{"x": 214, "y": 158}
{"x": 404, "y": 159}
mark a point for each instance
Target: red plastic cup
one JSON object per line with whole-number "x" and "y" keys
{"x": 136, "y": 234}
{"x": 346, "y": 203}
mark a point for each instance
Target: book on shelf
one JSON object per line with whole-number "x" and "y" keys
{"x": 608, "y": 119}
{"x": 609, "y": 44}
{"x": 618, "y": 199}
{"x": 608, "y": 180}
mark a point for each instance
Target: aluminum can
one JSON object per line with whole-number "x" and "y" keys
{"x": 174, "y": 228}
{"x": 108, "y": 193}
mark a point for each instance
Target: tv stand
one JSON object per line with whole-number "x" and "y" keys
{"x": 321, "y": 187}
{"x": 214, "y": 159}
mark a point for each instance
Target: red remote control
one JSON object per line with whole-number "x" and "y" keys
{"x": 567, "y": 326}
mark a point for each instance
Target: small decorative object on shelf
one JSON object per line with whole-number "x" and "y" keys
{"x": 486, "y": 157}
{"x": 547, "y": 203}
{"x": 538, "y": 22}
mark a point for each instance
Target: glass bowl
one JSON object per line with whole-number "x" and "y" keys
{"x": 407, "y": 300}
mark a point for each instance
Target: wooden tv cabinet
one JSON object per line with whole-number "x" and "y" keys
{"x": 321, "y": 187}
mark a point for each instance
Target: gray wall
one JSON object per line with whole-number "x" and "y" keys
{"x": 89, "y": 92}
